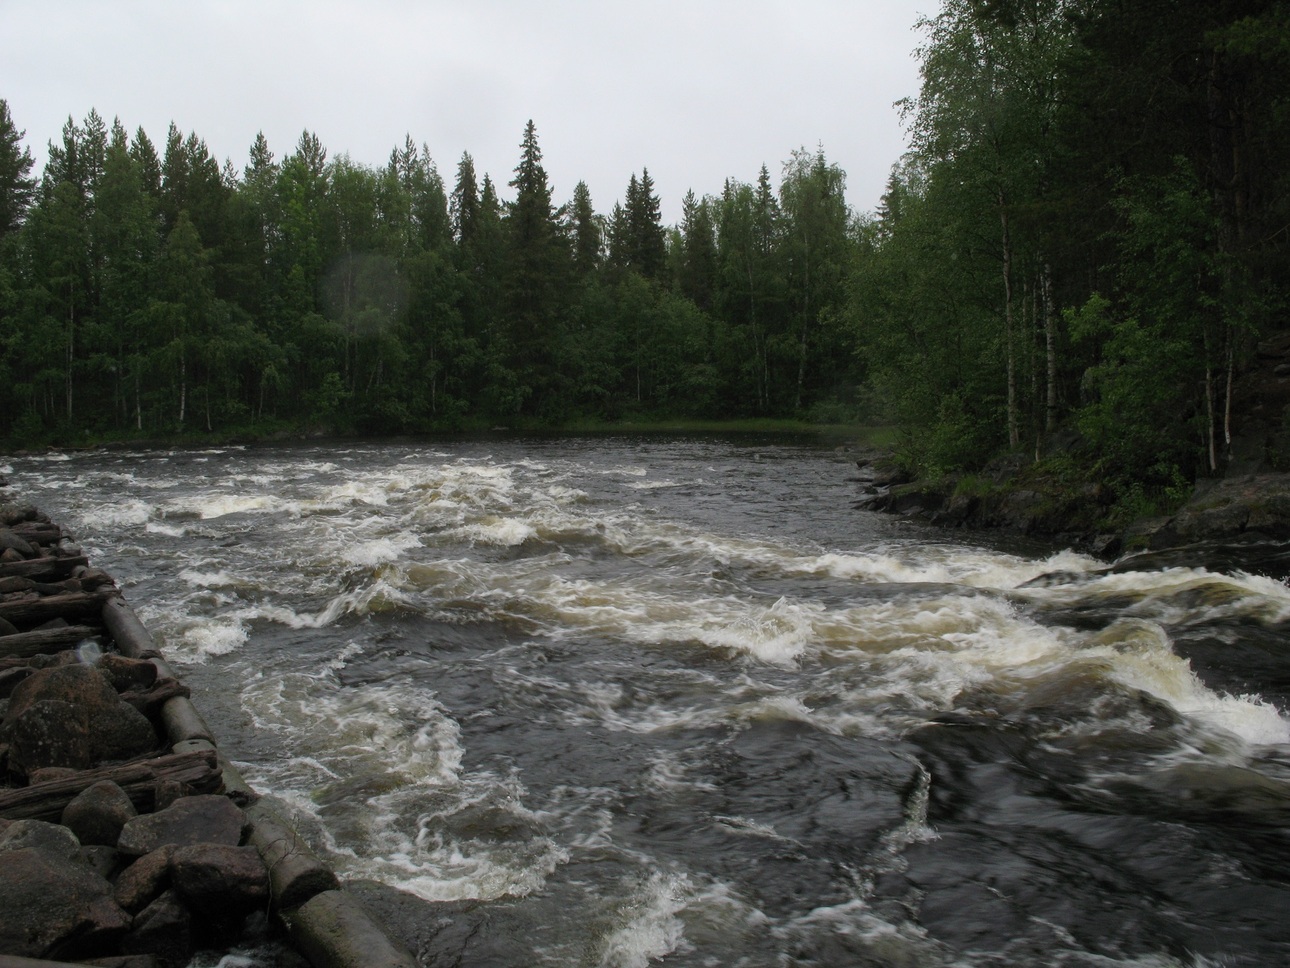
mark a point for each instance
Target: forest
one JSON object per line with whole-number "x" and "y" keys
{"x": 1086, "y": 240}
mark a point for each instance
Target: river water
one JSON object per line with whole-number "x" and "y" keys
{"x": 623, "y": 701}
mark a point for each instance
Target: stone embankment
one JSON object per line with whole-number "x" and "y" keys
{"x": 126, "y": 838}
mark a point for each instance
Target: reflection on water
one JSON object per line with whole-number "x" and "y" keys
{"x": 608, "y": 701}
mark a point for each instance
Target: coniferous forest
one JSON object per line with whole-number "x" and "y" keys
{"x": 1088, "y": 235}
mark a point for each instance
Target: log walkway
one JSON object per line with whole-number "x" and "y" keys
{"x": 51, "y": 603}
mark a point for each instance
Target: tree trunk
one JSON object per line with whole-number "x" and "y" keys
{"x": 71, "y": 341}
{"x": 1050, "y": 350}
{"x": 806, "y": 306}
{"x": 1014, "y": 432}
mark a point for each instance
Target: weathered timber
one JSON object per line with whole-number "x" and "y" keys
{"x": 33, "y": 611}
{"x": 333, "y": 930}
{"x": 49, "y": 565}
{"x": 198, "y": 771}
{"x": 38, "y": 532}
{"x": 24, "y": 645}
{"x": 295, "y": 873}
{"x": 132, "y": 638}
{"x": 180, "y": 717}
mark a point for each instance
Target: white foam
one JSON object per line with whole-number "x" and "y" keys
{"x": 202, "y": 640}
{"x": 377, "y": 551}
{"x": 220, "y": 505}
{"x": 653, "y": 929}
{"x": 506, "y": 532}
{"x": 169, "y": 530}
{"x": 126, "y": 513}
{"x": 1154, "y": 668}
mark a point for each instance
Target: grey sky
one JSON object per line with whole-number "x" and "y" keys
{"x": 695, "y": 91}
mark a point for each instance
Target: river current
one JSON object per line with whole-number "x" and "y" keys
{"x": 625, "y": 701}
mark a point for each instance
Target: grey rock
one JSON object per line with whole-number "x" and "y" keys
{"x": 207, "y": 819}
{"x": 97, "y": 814}
{"x": 39, "y": 835}
{"x": 56, "y": 907}
{"x": 145, "y": 880}
{"x": 99, "y": 726}
{"x": 162, "y": 929}
{"x": 224, "y": 883}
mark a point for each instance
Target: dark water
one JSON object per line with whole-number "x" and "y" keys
{"x": 633, "y": 701}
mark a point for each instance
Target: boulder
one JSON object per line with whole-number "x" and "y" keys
{"x": 124, "y": 673}
{"x": 56, "y": 907}
{"x": 205, "y": 819}
{"x": 97, "y": 814}
{"x": 50, "y": 733}
{"x": 39, "y": 835}
{"x": 105, "y": 860}
{"x": 162, "y": 929}
{"x": 98, "y": 725}
{"x": 145, "y": 880}
{"x": 9, "y": 678}
{"x": 224, "y": 883}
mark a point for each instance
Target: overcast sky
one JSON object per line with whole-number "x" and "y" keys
{"x": 694, "y": 90}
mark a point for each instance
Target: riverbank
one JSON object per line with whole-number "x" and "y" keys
{"x": 1248, "y": 508}
{"x": 126, "y": 835}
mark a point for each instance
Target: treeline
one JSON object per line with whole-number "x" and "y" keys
{"x": 1088, "y": 237}
{"x": 1077, "y": 256}
{"x": 158, "y": 292}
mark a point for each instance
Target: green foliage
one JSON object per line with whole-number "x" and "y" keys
{"x": 1088, "y": 229}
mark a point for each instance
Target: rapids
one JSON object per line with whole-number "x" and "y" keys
{"x": 622, "y": 701}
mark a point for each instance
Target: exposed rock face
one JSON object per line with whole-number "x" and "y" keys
{"x": 1247, "y": 505}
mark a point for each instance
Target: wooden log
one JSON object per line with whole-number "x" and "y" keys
{"x": 295, "y": 872}
{"x": 333, "y": 930}
{"x": 23, "y": 645}
{"x": 132, "y": 638}
{"x": 182, "y": 720}
{"x": 50, "y": 565}
{"x": 197, "y": 770}
{"x": 33, "y": 611}
{"x": 38, "y": 532}
{"x": 20, "y": 583}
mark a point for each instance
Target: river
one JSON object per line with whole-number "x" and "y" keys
{"x": 623, "y": 701}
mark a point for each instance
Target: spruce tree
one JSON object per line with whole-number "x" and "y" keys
{"x": 17, "y": 187}
{"x": 535, "y": 279}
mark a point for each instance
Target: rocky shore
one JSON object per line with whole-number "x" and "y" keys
{"x": 126, "y": 838}
{"x": 1249, "y": 508}
{"x": 1247, "y": 504}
